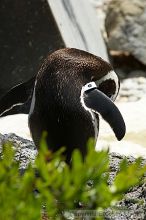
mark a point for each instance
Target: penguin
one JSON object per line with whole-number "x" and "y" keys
{"x": 65, "y": 99}
{"x": 72, "y": 88}
{"x": 18, "y": 99}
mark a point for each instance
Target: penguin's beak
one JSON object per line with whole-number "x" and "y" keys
{"x": 98, "y": 102}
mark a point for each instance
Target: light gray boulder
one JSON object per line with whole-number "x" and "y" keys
{"x": 125, "y": 25}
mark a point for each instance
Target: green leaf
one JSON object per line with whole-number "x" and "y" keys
{"x": 60, "y": 187}
{"x": 129, "y": 175}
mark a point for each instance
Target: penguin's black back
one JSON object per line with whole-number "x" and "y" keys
{"x": 57, "y": 106}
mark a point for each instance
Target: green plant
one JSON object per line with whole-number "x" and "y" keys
{"x": 61, "y": 190}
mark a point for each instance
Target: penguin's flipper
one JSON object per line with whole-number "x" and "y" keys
{"x": 18, "y": 99}
{"x": 98, "y": 102}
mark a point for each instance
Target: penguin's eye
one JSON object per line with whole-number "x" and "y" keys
{"x": 93, "y": 78}
{"x": 108, "y": 87}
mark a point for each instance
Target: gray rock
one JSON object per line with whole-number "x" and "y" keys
{"x": 132, "y": 89}
{"x": 25, "y": 38}
{"x": 125, "y": 24}
{"x": 25, "y": 149}
{"x": 133, "y": 206}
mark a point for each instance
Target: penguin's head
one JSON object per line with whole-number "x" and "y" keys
{"x": 79, "y": 75}
{"x": 84, "y": 67}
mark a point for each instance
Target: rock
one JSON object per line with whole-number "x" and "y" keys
{"x": 133, "y": 89}
{"x": 28, "y": 32}
{"x": 133, "y": 206}
{"x": 138, "y": 73}
{"x": 25, "y": 149}
{"x": 125, "y": 24}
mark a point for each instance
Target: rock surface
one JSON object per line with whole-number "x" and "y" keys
{"x": 125, "y": 24}
{"x": 28, "y": 32}
{"x": 132, "y": 89}
{"x": 25, "y": 149}
{"x": 132, "y": 207}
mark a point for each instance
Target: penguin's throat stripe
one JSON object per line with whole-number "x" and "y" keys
{"x": 89, "y": 86}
